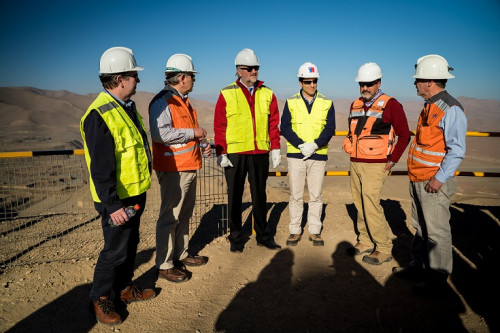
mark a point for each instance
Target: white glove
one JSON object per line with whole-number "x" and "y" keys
{"x": 307, "y": 149}
{"x": 276, "y": 157}
{"x": 223, "y": 161}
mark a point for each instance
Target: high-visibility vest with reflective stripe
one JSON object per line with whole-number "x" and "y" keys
{"x": 244, "y": 132}
{"x": 308, "y": 126}
{"x": 132, "y": 166}
{"x": 428, "y": 148}
{"x": 178, "y": 157}
{"x": 369, "y": 137}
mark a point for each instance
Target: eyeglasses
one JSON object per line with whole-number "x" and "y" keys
{"x": 368, "y": 84}
{"x": 308, "y": 82}
{"x": 134, "y": 75}
{"x": 190, "y": 74}
{"x": 250, "y": 68}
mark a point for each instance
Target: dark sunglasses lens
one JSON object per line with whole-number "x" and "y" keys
{"x": 307, "y": 82}
{"x": 368, "y": 84}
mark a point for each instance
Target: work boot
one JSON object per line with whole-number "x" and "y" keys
{"x": 132, "y": 293}
{"x": 316, "y": 239}
{"x": 377, "y": 258}
{"x": 359, "y": 248}
{"x": 105, "y": 313}
{"x": 293, "y": 239}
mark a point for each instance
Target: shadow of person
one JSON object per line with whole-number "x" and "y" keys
{"x": 212, "y": 225}
{"x": 70, "y": 311}
{"x": 405, "y": 311}
{"x": 338, "y": 298}
{"x": 476, "y": 235}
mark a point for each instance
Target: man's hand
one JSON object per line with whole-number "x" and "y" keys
{"x": 119, "y": 217}
{"x": 199, "y": 133}
{"x": 276, "y": 157}
{"x": 388, "y": 166}
{"x": 433, "y": 185}
{"x": 207, "y": 150}
{"x": 223, "y": 161}
{"x": 307, "y": 149}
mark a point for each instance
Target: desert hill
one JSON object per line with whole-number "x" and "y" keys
{"x": 38, "y": 119}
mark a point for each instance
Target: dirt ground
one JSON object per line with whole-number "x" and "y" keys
{"x": 296, "y": 289}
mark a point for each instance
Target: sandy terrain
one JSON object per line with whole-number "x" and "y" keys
{"x": 296, "y": 289}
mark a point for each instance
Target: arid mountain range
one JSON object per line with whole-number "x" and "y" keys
{"x": 37, "y": 119}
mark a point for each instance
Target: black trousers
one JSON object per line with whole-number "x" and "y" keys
{"x": 257, "y": 168}
{"x": 115, "y": 265}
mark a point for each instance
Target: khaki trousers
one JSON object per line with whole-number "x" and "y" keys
{"x": 314, "y": 172}
{"x": 178, "y": 196}
{"x": 367, "y": 180}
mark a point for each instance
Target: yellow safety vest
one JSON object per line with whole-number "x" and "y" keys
{"x": 243, "y": 132}
{"x": 132, "y": 171}
{"x": 308, "y": 126}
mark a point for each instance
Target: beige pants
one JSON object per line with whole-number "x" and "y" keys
{"x": 367, "y": 180}
{"x": 178, "y": 196}
{"x": 314, "y": 172}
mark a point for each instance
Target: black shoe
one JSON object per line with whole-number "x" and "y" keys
{"x": 270, "y": 244}
{"x": 236, "y": 247}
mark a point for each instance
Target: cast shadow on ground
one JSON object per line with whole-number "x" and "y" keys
{"x": 70, "y": 311}
{"x": 46, "y": 239}
{"x": 475, "y": 238}
{"x": 476, "y": 241}
{"x": 213, "y": 225}
{"x": 343, "y": 297}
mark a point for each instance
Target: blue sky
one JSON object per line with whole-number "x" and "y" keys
{"x": 57, "y": 44}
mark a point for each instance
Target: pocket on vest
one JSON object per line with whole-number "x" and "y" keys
{"x": 372, "y": 145}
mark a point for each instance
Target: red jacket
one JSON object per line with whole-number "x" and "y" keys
{"x": 220, "y": 121}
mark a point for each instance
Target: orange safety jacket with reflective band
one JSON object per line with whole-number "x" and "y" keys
{"x": 178, "y": 157}
{"x": 428, "y": 148}
{"x": 369, "y": 137}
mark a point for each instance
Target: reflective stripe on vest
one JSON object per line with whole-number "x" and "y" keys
{"x": 132, "y": 170}
{"x": 369, "y": 137}
{"x": 308, "y": 126}
{"x": 428, "y": 148}
{"x": 178, "y": 157}
{"x": 244, "y": 132}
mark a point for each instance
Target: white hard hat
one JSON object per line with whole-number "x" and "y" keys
{"x": 308, "y": 70}
{"x": 246, "y": 57}
{"x": 368, "y": 72}
{"x": 118, "y": 60}
{"x": 432, "y": 66}
{"x": 180, "y": 63}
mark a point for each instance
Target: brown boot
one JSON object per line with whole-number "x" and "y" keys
{"x": 133, "y": 294}
{"x": 105, "y": 311}
{"x": 377, "y": 258}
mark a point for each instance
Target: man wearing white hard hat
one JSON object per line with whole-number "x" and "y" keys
{"x": 378, "y": 136}
{"x": 246, "y": 129}
{"x": 434, "y": 156}
{"x": 119, "y": 162}
{"x": 177, "y": 155}
{"x": 308, "y": 124}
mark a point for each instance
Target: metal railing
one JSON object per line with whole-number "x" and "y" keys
{"x": 47, "y": 212}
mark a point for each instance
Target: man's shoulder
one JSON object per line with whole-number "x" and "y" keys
{"x": 162, "y": 97}
{"x": 447, "y": 101}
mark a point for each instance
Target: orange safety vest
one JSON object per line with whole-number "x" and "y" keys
{"x": 178, "y": 157}
{"x": 369, "y": 137}
{"x": 428, "y": 148}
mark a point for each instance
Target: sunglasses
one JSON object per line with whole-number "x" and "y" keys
{"x": 308, "y": 82}
{"x": 368, "y": 84}
{"x": 250, "y": 68}
{"x": 135, "y": 75}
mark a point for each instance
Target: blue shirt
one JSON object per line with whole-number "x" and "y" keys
{"x": 454, "y": 126}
